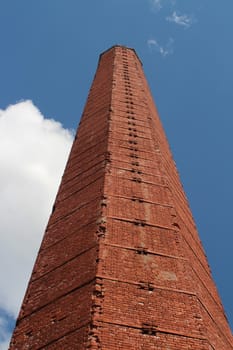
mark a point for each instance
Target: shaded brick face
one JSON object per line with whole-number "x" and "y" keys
{"x": 121, "y": 265}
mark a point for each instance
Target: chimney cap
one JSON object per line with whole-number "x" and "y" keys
{"x": 120, "y": 46}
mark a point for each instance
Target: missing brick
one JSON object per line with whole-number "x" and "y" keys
{"x": 139, "y": 222}
{"x": 98, "y": 294}
{"x": 28, "y": 334}
{"x": 135, "y": 163}
{"x": 137, "y": 179}
{"x": 148, "y": 329}
{"x": 146, "y": 286}
{"x": 102, "y": 220}
{"x": 141, "y": 251}
{"x": 101, "y": 231}
{"x": 96, "y": 309}
{"x": 103, "y": 203}
{"x": 93, "y": 341}
{"x": 176, "y": 225}
{"x": 137, "y": 199}
{"x": 132, "y": 155}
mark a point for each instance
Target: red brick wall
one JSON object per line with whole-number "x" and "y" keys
{"x": 121, "y": 265}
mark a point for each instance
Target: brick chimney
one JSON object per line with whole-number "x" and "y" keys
{"x": 121, "y": 265}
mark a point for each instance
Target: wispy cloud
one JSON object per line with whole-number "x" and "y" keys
{"x": 156, "y": 5}
{"x": 165, "y": 50}
{"x": 182, "y": 20}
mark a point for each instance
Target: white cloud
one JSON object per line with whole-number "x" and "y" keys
{"x": 152, "y": 43}
{"x": 182, "y": 20}
{"x": 5, "y": 344}
{"x": 163, "y": 50}
{"x": 33, "y": 152}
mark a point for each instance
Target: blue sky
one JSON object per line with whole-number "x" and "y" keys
{"x": 49, "y": 53}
